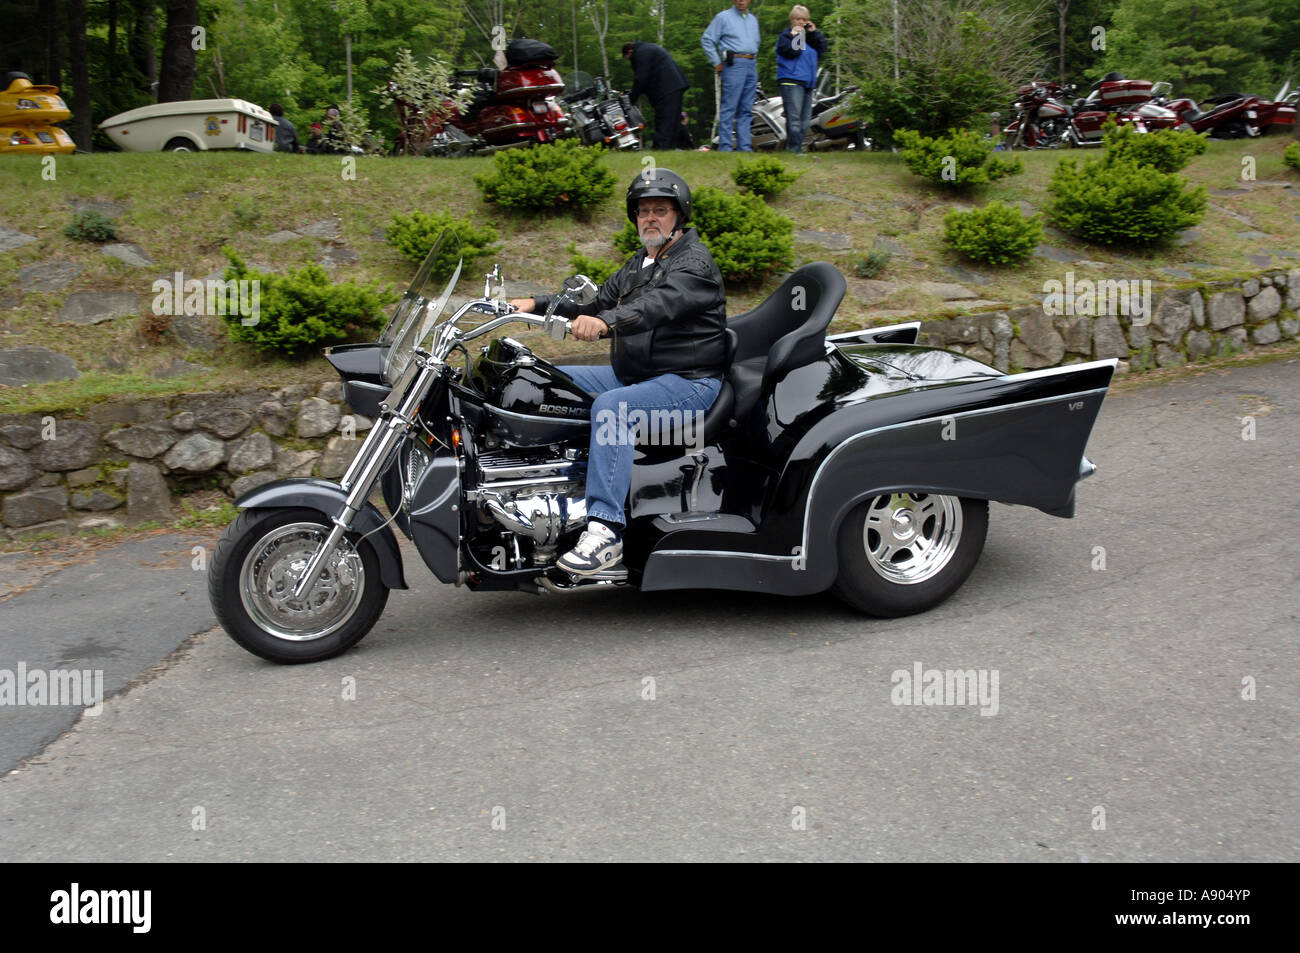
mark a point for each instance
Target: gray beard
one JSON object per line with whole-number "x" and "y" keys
{"x": 654, "y": 244}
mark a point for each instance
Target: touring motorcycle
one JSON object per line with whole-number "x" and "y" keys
{"x": 861, "y": 463}
{"x": 600, "y": 115}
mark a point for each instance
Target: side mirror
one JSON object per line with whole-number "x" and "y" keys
{"x": 580, "y": 289}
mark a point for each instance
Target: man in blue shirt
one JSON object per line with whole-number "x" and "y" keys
{"x": 731, "y": 44}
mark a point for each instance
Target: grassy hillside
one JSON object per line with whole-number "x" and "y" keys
{"x": 181, "y": 209}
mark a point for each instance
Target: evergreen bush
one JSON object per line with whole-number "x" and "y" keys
{"x": 997, "y": 234}
{"x": 564, "y": 175}
{"x": 414, "y": 235}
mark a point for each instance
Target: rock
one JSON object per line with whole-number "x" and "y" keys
{"x": 196, "y": 453}
{"x": 202, "y": 332}
{"x": 316, "y": 417}
{"x": 330, "y": 390}
{"x": 1266, "y": 333}
{"x": 251, "y": 482}
{"x": 954, "y": 331}
{"x": 1187, "y": 236}
{"x": 1293, "y": 289}
{"x": 83, "y": 477}
{"x": 1171, "y": 319}
{"x": 130, "y": 253}
{"x": 15, "y": 470}
{"x": 1108, "y": 338}
{"x": 119, "y": 478}
{"x": 1264, "y": 305}
{"x": 1199, "y": 344}
{"x": 225, "y": 422}
{"x": 1168, "y": 357}
{"x": 975, "y": 352}
{"x": 356, "y": 423}
{"x": 51, "y": 528}
{"x": 1122, "y": 368}
{"x": 1054, "y": 254}
{"x": 337, "y": 456}
{"x": 106, "y": 208}
{"x": 1226, "y": 309}
{"x": 10, "y": 239}
{"x": 894, "y": 248}
{"x": 34, "y": 365}
{"x": 1252, "y": 235}
{"x": 946, "y": 290}
{"x": 296, "y": 392}
{"x": 1176, "y": 273}
{"x": 1138, "y": 337}
{"x": 86, "y": 524}
{"x": 92, "y": 307}
{"x": 22, "y": 436}
{"x": 280, "y": 237}
{"x": 1041, "y": 345}
{"x": 179, "y": 368}
{"x": 184, "y": 421}
{"x": 147, "y": 496}
{"x": 970, "y": 277}
{"x": 273, "y": 417}
{"x": 145, "y": 441}
{"x": 338, "y": 255}
{"x": 1259, "y": 261}
{"x": 1077, "y": 334}
{"x": 96, "y": 500}
{"x": 835, "y": 241}
{"x": 294, "y": 463}
{"x": 326, "y": 229}
{"x": 49, "y": 479}
{"x": 995, "y": 335}
{"x": 1236, "y": 338}
{"x": 1198, "y": 308}
{"x": 48, "y": 276}
{"x": 74, "y": 446}
{"x": 1250, "y": 287}
{"x": 35, "y": 506}
{"x": 870, "y": 291}
{"x": 252, "y": 453}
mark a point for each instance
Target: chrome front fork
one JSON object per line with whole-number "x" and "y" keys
{"x": 365, "y": 469}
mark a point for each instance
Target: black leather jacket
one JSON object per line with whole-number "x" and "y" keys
{"x": 668, "y": 318}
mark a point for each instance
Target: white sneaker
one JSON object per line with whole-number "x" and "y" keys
{"x": 598, "y": 549}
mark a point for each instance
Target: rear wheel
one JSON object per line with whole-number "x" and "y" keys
{"x": 907, "y": 552}
{"x": 257, "y": 562}
{"x": 179, "y": 145}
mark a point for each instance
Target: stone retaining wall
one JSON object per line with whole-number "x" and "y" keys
{"x": 121, "y": 463}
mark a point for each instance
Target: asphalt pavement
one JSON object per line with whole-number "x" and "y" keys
{"x": 1144, "y": 653}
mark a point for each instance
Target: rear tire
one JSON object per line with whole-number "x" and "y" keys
{"x": 255, "y": 564}
{"x": 905, "y": 553}
{"x": 179, "y": 145}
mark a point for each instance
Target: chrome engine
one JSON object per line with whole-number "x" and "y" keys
{"x": 538, "y": 496}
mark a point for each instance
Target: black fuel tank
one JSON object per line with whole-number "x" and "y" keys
{"x": 528, "y": 401}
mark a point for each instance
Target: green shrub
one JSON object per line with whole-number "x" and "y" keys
{"x": 997, "y": 234}
{"x": 413, "y": 235}
{"x": 90, "y": 226}
{"x": 764, "y": 176}
{"x": 564, "y": 175}
{"x": 304, "y": 310}
{"x": 1119, "y": 202}
{"x": 1166, "y": 150}
{"x": 246, "y": 213}
{"x": 599, "y": 270}
{"x": 746, "y": 237}
{"x": 1291, "y": 156}
{"x": 872, "y": 265}
{"x": 960, "y": 161}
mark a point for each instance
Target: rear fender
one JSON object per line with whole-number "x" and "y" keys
{"x": 328, "y": 499}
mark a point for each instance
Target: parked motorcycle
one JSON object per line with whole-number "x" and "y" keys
{"x": 1271, "y": 116}
{"x": 832, "y": 123}
{"x": 1043, "y": 119}
{"x": 859, "y": 463}
{"x": 496, "y": 109}
{"x": 1232, "y": 116}
{"x": 27, "y": 117}
{"x": 599, "y": 115}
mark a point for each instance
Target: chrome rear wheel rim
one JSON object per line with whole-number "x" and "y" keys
{"x": 911, "y": 537}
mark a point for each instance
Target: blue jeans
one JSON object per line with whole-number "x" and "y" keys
{"x": 797, "y": 99}
{"x": 614, "y": 420}
{"x": 739, "y": 82}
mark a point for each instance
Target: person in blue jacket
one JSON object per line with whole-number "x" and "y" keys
{"x": 798, "y": 50}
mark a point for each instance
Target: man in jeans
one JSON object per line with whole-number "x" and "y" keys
{"x": 731, "y": 44}
{"x": 666, "y": 316}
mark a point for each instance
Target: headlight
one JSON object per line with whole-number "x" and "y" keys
{"x": 1250, "y": 114}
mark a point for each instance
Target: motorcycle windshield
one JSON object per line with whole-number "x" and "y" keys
{"x": 577, "y": 81}
{"x": 422, "y": 304}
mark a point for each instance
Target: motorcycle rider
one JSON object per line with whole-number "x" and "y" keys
{"x": 666, "y": 316}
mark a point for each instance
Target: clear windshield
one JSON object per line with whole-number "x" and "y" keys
{"x": 577, "y": 81}
{"x": 422, "y": 304}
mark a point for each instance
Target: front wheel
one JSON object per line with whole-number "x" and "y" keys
{"x": 907, "y": 552}
{"x": 257, "y": 562}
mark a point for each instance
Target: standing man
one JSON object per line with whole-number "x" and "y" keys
{"x": 798, "y": 50}
{"x": 731, "y": 44}
{"x": 657, "y": 74}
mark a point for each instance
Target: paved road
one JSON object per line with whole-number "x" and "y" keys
{"x": 512, "y": 727}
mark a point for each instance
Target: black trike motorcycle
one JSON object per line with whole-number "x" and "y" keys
{"x": 859, "y": 463}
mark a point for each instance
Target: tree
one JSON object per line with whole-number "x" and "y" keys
{"x": 82, "y": 127}
{"x": 176, "y": 78}
{"x": 594, "y": 10}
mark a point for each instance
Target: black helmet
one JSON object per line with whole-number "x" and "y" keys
{"x": 660, "y": 183}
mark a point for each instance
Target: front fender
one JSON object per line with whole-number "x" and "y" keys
{"x": 328, "y": 498}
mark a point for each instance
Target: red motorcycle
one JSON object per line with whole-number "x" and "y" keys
{"x": 1275, "y": 115}
{"x": 1230, "y": 116}
{"x": 503, "y": 109}
{"x": 1045, "y": 121}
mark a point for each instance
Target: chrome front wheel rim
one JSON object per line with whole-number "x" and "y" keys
{"x": 272, "y": 568}
{"x": 911, "y": 537}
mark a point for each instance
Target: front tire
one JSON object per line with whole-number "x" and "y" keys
{"x": 257, "y": 561}
{"x": 904, "y": 553}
